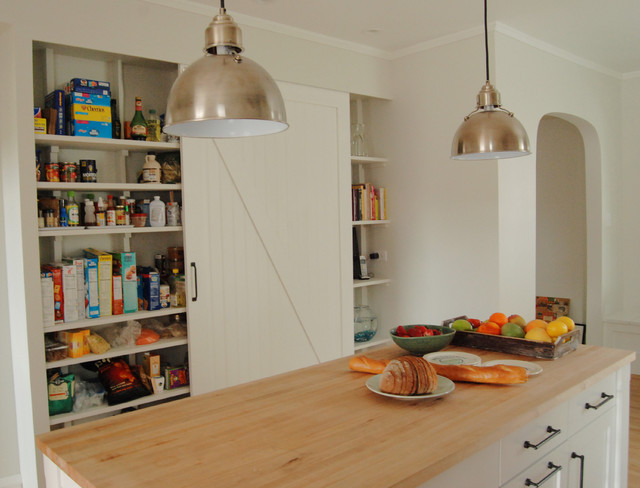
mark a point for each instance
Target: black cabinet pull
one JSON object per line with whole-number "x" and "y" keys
{"x": 195, "y": 282}
{"x": 550, "y": 430}
{"x": 575, "y": 455}
{"x": 596, "y": 407}
{"x": 552, "y": 466}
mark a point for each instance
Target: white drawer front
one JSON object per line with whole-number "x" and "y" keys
{"x": 591, "y": 403}
{"x": 533, "y": 441}
{"x": 550, "y": 472}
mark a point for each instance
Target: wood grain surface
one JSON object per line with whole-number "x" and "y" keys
{"x": 315, "y": 427}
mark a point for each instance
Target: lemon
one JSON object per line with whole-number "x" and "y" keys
{"x": 570, "y": 323}
{"x": 557, "y": 328}
{"x": 538, "y": 334}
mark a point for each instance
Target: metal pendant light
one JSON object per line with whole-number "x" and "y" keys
{"x": 224, "y": 94}
{"x": 490, "y": 131}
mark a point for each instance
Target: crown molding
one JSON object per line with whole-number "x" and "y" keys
{"x": 554, "y": 50}
{"x": 200, "y": 9}
{"x": 247, "y": 20}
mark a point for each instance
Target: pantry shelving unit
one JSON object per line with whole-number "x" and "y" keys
{"x": 119, "y": 163}
{"x": 370, "y": 233}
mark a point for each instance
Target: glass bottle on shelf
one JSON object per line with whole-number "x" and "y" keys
{"x": 365, "y": 323}
{"x": 116, "y": 127}
{"x": 358, "y": 141}
{"x": 138, "y": 123}
{"x": 73, "y": 211}
{"x": 111, "y": 211}
{"x": 153, "y": 127}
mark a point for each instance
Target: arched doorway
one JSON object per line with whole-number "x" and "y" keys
{"x": 568, "y": 217}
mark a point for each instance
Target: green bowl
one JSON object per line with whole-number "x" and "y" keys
{"x": 423, "y": 345}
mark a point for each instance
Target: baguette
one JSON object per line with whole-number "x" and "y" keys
{"x": 499, "y": 375}
{"x": 364, "y": 364}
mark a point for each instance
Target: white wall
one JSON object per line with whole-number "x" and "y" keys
{"x": 535, "y": 83}
{"x": 561, "y": 223}
{"x": 629, "y": 234}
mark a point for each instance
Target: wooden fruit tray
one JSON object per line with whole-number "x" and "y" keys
{"x": 564, "y": 344}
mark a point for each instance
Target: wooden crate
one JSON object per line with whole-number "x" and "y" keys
{"x": 564, "y": 344}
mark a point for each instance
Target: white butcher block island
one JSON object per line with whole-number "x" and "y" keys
{"x": 322, "y": 427}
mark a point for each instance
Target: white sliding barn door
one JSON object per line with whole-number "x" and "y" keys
{"x": 267, "y": 222}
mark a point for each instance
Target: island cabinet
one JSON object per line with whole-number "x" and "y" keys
{"x": 321, "y": 426}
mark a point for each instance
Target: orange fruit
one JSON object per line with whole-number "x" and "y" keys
{"x": 556, "y": 328}
{"x": 535, "y": 323}
{"x": 498, "y": 318}
{"x": 489, "y": 328}
{"x": 570, "y": 323}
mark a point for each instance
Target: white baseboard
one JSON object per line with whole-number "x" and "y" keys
{"x": 14, "y": 481}
{"x": 621, "y": 334}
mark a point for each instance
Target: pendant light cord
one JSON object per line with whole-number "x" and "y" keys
{"x": 486, "y": 41}
{"x": 222, "y": 4}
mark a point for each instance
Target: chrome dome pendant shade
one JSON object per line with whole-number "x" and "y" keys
{"x": 490, "y": 131}
{"x": 224, "y": 94}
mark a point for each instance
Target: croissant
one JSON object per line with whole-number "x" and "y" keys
{"x": 409, "y": 375}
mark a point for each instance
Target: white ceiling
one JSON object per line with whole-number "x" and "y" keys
{"x": 606, "y": 33}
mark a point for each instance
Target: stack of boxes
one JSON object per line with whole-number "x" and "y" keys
{"x": 89, "y": 108}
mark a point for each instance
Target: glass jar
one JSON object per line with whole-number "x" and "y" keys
{"x": 365, "y": 323}
{"x": 358, "y": 141}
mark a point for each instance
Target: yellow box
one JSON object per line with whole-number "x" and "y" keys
{"x": 75, "y": 341}
{"x": 39, "y": 125}
{"x": 152, "y": 364}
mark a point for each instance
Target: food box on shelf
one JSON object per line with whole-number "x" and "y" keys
{"x": 564, "y": 344}
{"x": 550, "y": 308}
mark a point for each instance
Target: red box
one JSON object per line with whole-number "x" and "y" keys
{"x": 58, "y": 295}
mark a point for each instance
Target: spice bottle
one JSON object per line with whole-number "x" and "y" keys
{"x": 111, "y": 211}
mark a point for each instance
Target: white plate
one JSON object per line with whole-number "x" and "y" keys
{"x": 532, "y": 368}
{"x": 445, "y": 386}
{"x": 452, "y": 357}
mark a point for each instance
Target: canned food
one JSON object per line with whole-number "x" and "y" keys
{"x": 52, "y": 171}
{"x": 69, "y": 173}
{"x": 88, "y": 171}
{"x": 121, "y": 215}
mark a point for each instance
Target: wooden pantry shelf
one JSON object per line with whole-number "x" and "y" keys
{"x": 102, "y": 409}
{"x": 119, "y": 351}
{"x": 370, "y": 282}
{"x": 112, "y": 229}
{"x": 102, "y": 143}
{"x": 88, "y": 187}
{"x": 114, "y": 319}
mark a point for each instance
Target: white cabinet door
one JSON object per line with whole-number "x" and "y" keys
{"x": 267, "y": 224}
{"x": 591, "y": 454}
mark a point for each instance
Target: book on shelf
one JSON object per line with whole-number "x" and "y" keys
{"x": 368, "y": 202}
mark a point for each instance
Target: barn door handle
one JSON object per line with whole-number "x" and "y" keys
{"x": 195, "y": 282}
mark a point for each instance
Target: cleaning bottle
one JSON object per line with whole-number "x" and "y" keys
{"x": 157, "y": 216}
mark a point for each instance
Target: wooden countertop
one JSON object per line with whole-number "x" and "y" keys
{"x": 315, "y": 427}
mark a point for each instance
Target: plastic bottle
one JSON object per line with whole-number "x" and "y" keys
{"x": 151, "y": 171}
{"x": 153, "y": 127}
{"x": 89, "y": 213}
{"x": 157, "y": 217}
{"x": 138, "y": 123}
{"x": 73, "y": 211}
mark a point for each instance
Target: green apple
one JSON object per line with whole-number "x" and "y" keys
{"x": 461, "y": 324}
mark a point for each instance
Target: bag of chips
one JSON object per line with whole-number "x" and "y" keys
{"x": 119, "y": 381}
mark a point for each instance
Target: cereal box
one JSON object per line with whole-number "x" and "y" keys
{"x": 105, "y": 277}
